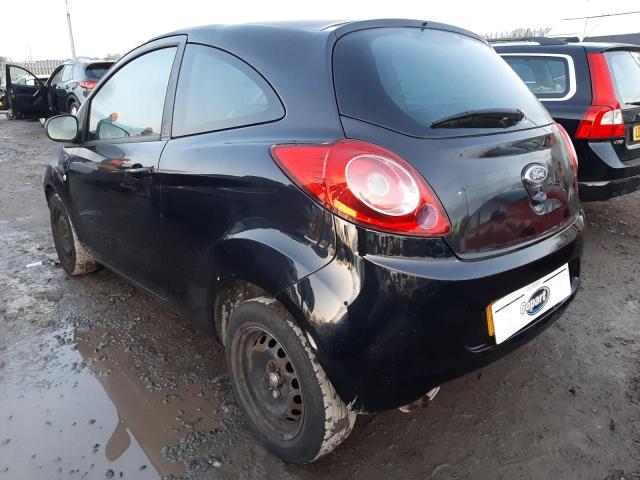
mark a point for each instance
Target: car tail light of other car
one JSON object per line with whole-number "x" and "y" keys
{"x": 88, "y": 84}
{"x": 366, "y": 184}
{"x": 571, "y": 150}
{"x": 603, "y": 119}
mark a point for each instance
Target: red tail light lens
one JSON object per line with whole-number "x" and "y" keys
{"x": 571, "y": 150}
{"x": 601, "y": 122}
{"x": 88, "y": 84}
{"x": 366, "y": 184}
{"x": 603, "y": 119}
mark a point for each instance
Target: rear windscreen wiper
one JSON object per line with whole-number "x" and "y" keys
{"x": 488, "y": 118}
{"x": 637, "y": 102}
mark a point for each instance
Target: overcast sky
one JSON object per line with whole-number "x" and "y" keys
{"x": 38, "y": 29}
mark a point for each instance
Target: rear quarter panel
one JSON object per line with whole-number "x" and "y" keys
{"x": 231, "y": 214}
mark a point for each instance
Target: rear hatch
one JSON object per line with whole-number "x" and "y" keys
{"x": 624, "y": 67}
{"x": 96, "y": 70}
{"x": 449, "y": 105}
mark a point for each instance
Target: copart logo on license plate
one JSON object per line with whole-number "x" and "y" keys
{"x": 536, "y": 302}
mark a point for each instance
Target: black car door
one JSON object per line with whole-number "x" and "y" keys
{"x": 112, "y": 180}
{"x": 63, "y": 89}
{"x": 27, "y": 94}
{"x": 54, "y": 85}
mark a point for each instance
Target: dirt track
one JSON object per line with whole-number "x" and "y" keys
{"x": 97, "y": 380}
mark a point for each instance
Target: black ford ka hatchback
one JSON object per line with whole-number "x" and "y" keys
{"x": 360, "y": 211}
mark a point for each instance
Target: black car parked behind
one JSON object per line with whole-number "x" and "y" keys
{"x": 593, "y": 90}
{"x": 360, "y": 211}
{"x": 64, "y": 92}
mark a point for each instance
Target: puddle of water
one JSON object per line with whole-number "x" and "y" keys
{"x": 59, "y": 431}
{"x": 89, "y": 412}
{"x": 92, "y": 383}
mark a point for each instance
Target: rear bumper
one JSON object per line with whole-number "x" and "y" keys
{"x": 402, "y": 316}
{"x": 602, "y": 175}
{"x": 604, "y": 190}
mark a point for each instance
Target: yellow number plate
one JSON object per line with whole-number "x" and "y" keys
{"x": 636, "y": 133}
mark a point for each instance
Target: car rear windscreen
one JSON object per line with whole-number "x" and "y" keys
{"x": 625, "y": 71}
{"x": 546, "y": 76}
{"x": 405, "y": 79}
{"x": 95, "y": 71}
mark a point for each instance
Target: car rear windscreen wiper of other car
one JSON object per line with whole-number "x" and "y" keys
{"x": 637, "y": 102}
{"x": 488, "y": 118}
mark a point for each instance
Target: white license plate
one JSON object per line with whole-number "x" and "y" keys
{"x": 515, "y": 311}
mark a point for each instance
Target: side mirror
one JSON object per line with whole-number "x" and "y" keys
{"x": 63, "y": 128}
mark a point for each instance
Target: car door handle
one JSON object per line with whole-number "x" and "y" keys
{"x": 139, "y": 173}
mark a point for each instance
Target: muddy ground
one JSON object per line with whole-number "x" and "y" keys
{"x": 97, "y": 380}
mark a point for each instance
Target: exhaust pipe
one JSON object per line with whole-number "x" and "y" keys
{"x": 421, "y": 402}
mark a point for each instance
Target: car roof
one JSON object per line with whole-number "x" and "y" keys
{"x": 315, "y": 25}
{"x": 308, "y": 28}
{"x": 85, "y": 62}
{"x": 517, "y": 45}
{"x": 304, "y": 25}
{"x": 261, "y": 44}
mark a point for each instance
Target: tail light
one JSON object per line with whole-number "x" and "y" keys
{"x": 603, "y": 119}
{"x": 88, "y": 84}
{"x": 571, "y": 150}
{"x": 366, "y": 184}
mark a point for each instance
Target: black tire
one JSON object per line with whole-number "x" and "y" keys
{"x": 74, "y": 105}
{"x": 259, "y": 329}
{"x": 72, "y": 255}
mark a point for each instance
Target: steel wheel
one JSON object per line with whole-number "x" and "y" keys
{"x": 280, "y": 385}
{"x": 72, "y": 255}
{"x": 62, "y": 235}
{"x": 270, "y": 387}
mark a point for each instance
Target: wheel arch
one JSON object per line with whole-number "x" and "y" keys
{"x": 237, "y": 290}
{"x": 54, "y": 180}
{"x": 247, "y": 268}
{"x": 73, "y": 99}
{"x": 230, "y": 296}
{"x": 48, "y": 191}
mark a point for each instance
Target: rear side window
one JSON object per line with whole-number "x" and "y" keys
{"x": 66, "y": 72}
{"x": 625, "y": 70}
{"x": 96, "y": 71}
{"x": 218, "y": 91}
{"x": 57, "y": 77}
{"x": 547, "y": 76}
{"x": 78, "y": 73}
{"x": 405, "y": 79}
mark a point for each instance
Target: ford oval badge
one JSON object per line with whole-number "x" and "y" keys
{"x": 535, "y": 174}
